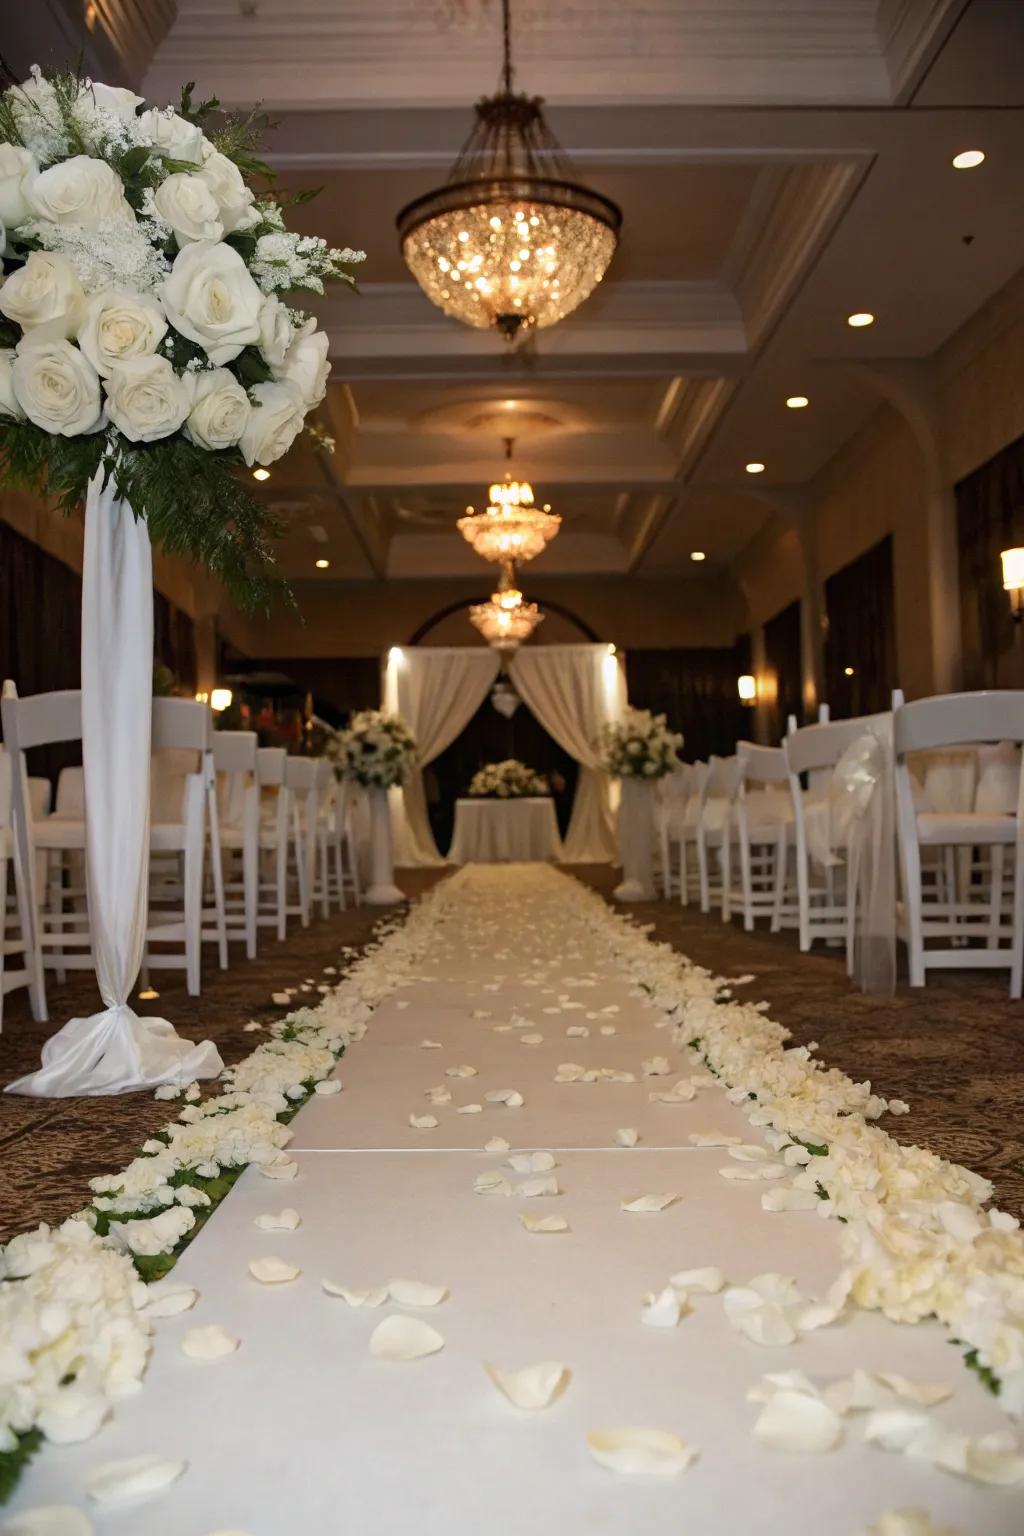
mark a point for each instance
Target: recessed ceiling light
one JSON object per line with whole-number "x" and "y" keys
{"x": 697, "y": 554}
{"x": 261, "y": 474}
{"x": 848, "y": 671}
{"x": 797, "y": 402}
{"x": 322, "y": 565}
{"x": 755, "y": 468}
{"x": 861, "y": 318}
{"x": 967, "y": 159}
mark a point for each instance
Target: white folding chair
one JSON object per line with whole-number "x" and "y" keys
{"x": 30, "y": 973}
{"x": 713, "y": 831}
{"x": 685, "y": 828}
{"x": 672, "y": 795}
{"x": 959, "y": 719}
{"x": 301, "y": 779}
{"x": 762, "y": 824}
{"x": 825, "y": 909}
{"x": 238, "y": 798}
{"x": 285, "y": 785}
{"x": 320, "y": 833}
{"x": 345, "y": 877}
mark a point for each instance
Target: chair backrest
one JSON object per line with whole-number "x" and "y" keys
{"x": 956, "y": 719}
{"x": 723, "y": 777}
{"x": 821, "y": 746}
{"x": 42, "y": 719}
{"x": 71, "y": 793}
{"x": 300, "y": 774}
{"x": 324, "y": 773}
{"x": 761, "y": 765}
{"x": 235, "y": 751}
{"x": 184, "y": 724}
{"x": 270, "y": 765}
{"x": 39, "y": 792}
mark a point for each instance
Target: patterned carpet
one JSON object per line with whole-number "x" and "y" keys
{"x": 954, "y": 1050}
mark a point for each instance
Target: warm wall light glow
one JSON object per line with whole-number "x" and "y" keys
{"x": 1013, "y": 579}
{"x": 967, "y": 159}
{"x": 746, "y": 687}
{"x": 202, "y": 698}
{"x": 848, "y": 671}
{"x": 755, "y": 467}
{"x": 698, "y": 555}
{"x": 323, "y": 565}
{"x": 797, "y": 402}
{"x": 261, "y": 474}
{"x": 861, "y": 318}
{"x": 220, "y": 699}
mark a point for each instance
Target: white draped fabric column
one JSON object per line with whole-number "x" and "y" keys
{"x": 574, "y": 690}
{"x": 437, "y": 690}
{"x": 116, "y": 1050}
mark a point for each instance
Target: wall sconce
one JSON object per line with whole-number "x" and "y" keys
{"x": 1013, "y": 580}
{"x": 202, "y": 698}
{"x": 220, "y": 699}
{"x": 746, "y": 687}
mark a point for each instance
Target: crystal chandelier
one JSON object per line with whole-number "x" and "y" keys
{"x": 510, "y": 527}
{"x": 506, "y": 619}
{"x": 513, "y": 239}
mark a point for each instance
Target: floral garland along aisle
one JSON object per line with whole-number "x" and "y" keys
{"x": 146, "y": 361}
{"x": 916, "y": 1241}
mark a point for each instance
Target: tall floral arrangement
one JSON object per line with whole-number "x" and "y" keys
{"x": 639, "y": 746}
{"x": 509, "y": 780}
{"x": 376, "y": 749}
{"x": 145, "y": 323}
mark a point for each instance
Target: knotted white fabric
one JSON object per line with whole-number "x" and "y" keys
{"x": 574, "y": 691}
{"x": 437, "y": 690}
{"x": 862, "y": 814}
{"x": 116, "y": 1051}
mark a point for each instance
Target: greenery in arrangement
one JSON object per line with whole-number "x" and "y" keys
{"x": 143, "y": 328}
{"x": 509, "y": 780}
{"x": 376, "y": 749}
{"x": 639, "y": 746}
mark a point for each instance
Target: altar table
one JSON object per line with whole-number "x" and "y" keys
{"x": 496, "y": 831}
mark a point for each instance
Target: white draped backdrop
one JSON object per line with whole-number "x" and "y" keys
{"x": 573, "y": 690}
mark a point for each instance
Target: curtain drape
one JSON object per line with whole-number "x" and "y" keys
{"x": 437, "y": 690}
{"x": 574, "y": 690}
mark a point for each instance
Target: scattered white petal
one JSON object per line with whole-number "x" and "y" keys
{"x": 790, "y": 1199}
{"x": 251, "y": 1027}
{"x": 907, "y": 1522}
{"x": 794, "y": 1421}
{"x": 927, "y": 1393}
{"x": 895, "y": 1429}
{"x": 608, "y": 1029}
{"x": 440, "y": 1095}
{"x": 761, "y": 1321}
{"x": 165, "y": 1300}
{"x": 657, "y": 1066}
{"x": 209, "y": 1343}
{"x": 627, "y": 1136}
{"x": 661, "y": 1309}
{"x": 272, "y": 1270}
{"x": 470, "y": 1109}
{"x": 281, "y": 999}
{"x": 285, "y": 1169}
{"x": 640, "y": 1452}
{"x": 683, "y": 1092}
{"x": 492, "y": 1182}
{"x": 114, "y": 1482}
{"x": 708, "y": 1279}
{"x": 47, "y": 1520}
{"x": 536, "y": 1386}
{"x": 328, "y": 1087}
{"x": 782, "y": 1381}
{"x": 356, "y": 1296}
{"x": 530, "y": 1039}
{"x": 510, "y": 1097}
{"x": 404, "y": 1338}
{"x": 423, "y": 1122}
{"x": 416, "y": 1293}
{"x": 749, "y": 1153}
{"x": 430, "y": 1045}
{"x": 646, "y": 1203}
{"x": 496, "y": 1144}
{"x": 713, "y": 1139}
{"x": 531, "y": 1189}
{"x": 545, "y": 1224}
{"x": 460, "y": 1071}
{"x": 531, "y": 1162}
{"x": 578, "y": 1032}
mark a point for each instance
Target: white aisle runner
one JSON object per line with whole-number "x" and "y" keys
{"x": 301, "y": 1432}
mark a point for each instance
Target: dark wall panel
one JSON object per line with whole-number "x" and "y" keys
{"x": 861, "y": 635}
{"x": 990, "y": 518}
{"x": 695, "y": 689}
{"x": 783, "y": 662}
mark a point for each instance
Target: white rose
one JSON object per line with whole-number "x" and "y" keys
{"x": 146, "y": 399}
{"x": 276, "y": 331}
{"x": 118, "y": 325}
{"x": 8, "y": 400}
{"x": 220, "y": 411}
{"x": 306, "y": 364}
{"x": 224, "y": 180}
{"x": 189, "y": 207}
{"x": 57, "y": 387}
{"x": 275, "y": 422}
{"x": 81, "y": 191}
{"x": 110, "y": 98}
{"x": 45, "y": 291}
{"x": 173, "y": 135}
{"x": 210, "y": 298}
{"x": 17, "y": 168}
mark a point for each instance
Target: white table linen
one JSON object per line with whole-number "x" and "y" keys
{"x": 522, "y": 831}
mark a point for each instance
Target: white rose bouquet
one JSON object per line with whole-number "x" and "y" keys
{"x": 639, "y": 746}
{"x": 142, "y": 328}
{"x": 509, "y": 780}
{"x": 376, "y": 749}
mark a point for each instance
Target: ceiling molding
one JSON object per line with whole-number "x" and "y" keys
{"x": 911, "y": 32}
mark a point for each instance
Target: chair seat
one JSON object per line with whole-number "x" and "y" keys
{"x": 965, "y": 827}
{"x": 59, "y": 832}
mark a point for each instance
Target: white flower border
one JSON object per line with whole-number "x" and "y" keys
{"x": 916, "y": 1240}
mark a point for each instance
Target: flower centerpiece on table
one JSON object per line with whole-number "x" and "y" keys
{"x": 142, "y": 325}
{"x": 376, "y": 749}
{"x": 509, "y": 780}
{"x": 639, "y": 746}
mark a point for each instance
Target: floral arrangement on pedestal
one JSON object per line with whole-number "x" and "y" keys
{"x": 639, "y": 746}
{"x": 376, "y": 749}
{"x": 142, "y": 325}
{"x": 510, "y": 780}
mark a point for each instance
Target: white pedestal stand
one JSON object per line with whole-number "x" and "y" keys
{"x": 636, "y": 840}
{"x": 383, "y": 892}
